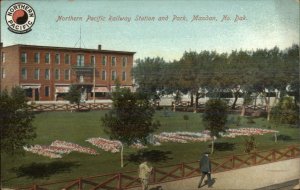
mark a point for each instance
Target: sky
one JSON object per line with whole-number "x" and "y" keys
{"x": 262, "y": 24}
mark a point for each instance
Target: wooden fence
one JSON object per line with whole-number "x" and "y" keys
{"x": 129, "y": 179}
{"x": 178, "y": 106}
{"x": 186, "y": 106}
{"x": 74, "y": 107}
{"x": 70, "y": 107}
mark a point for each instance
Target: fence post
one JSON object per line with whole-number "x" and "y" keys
{"x": 154, "y": 175}
{"x": 182, "y": 170}
{"x": 35, "y": 187}
{"x": 119, "y": 183}
{"x": 80, "y": 184}
{"x": 273, "y": 155}
{"x": 292, "y": 151}
{"x": 254, "y": 158}
{"x": 232, "y": 159}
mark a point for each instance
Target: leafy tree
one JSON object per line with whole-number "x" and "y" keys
{"x": 215, "y": 118}
{"x": 74, "y": 95}
{"x": 148, "y": 75}
{"x": 131, "y": 119}
{"x": 15, "y": 121}
{"x": 285, "y": 112}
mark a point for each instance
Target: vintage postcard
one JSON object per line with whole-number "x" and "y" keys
{"x": 165, "y": 95}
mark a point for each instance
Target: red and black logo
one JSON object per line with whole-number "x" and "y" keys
{"x": 20, "y": 17}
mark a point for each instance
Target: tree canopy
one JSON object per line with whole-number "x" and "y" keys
{"x": 131, "y": 118}
{"x": 240, "y": 73}
{"x": 215, "y": 118}
{"x": 73, "y": 95}
{"x": 15, "y": 121}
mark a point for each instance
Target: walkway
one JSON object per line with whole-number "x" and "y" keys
{"x": 255, "y": 177}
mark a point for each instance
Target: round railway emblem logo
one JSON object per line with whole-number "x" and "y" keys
{"x": 20, "y": 17}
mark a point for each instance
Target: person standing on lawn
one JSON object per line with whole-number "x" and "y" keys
{"x": 144, "y": 174}
{"x": 205, "y": 169}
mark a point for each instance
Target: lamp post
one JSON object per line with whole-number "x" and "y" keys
{"x": 94, "y": 82}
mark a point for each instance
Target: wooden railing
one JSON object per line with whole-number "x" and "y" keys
{"x": 179, "y": 106}
{"x": 186, "y": 106}
{"x": 129, "y": 179}
{"x": 70, "y": 107}
{"x": 74, "y": 107}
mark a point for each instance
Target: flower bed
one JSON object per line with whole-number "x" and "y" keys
{"x": 73, "y": 147}
{"x": 232, "y": 133}
{"x": 38, "y": 149}
{"x": 106, "y": 145}
{"x": 57, "y": 148}
{"x": 184, "y": 137}
{"x": 138, "y": 146}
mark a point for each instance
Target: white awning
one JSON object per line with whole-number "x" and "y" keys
{"x": 100, "y": 89}
{"x": 62, "y": 89}
{"x": 31, "y": 86}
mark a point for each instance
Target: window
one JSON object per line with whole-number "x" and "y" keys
{"x": 47, "y": 91}
{"x": 24, "y": 73}
{"x": 57, "y": 74}
{"x": 67, "y": 59}
{"x": 113, "y": 75}
{"x": 3, "y": 73}
{"x": 123, "y": 76}
{"x": 104, "y": 59}
{"x": 93, "y": 60}
{"x": 47, "y": 74}
{"x": 24, "y": 57}
{"x": 124, "y": 61}
{"x": 37, "y": 57}
{"x": 103, "y": 76}
{"x": 36, "y": 74}
{"x": 81, "y": 79}
{"x": 57, "y": 59}
{"x": 3, "y": 57}
{"x": 113, "y": 61}
{"x": 67, "y": 74}
{"x": 47, "y": 58}
{"x": 80, "y": 60}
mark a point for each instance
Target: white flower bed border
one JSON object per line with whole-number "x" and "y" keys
{"x": 185, "y": 137}
{"x": 57, "y": 148}
{"x": 106, "y": 145}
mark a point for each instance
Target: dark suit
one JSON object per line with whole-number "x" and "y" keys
{"x": 205, "y": 169}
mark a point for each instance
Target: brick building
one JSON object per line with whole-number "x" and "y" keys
{"x": 46, "y": 73}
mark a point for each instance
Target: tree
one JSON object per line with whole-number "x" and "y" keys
{"x": 285, "y": 112}
{"x": 74, "y": 95}
{"x": 215, "y": 118}
{"x": 15, "y": 121}
{"x": 131, "y": 119}
{"x": 148, "y": 75}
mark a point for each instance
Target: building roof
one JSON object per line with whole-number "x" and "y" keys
{"x": 72, "y": 49}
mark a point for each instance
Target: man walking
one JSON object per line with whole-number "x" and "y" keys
{"x": 205, "y": 169}
{"x": 144, "y": 174}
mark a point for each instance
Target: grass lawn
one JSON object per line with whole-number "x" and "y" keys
{"x": 79, "y": 126}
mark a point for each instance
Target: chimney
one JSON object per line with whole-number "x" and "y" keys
{"x": 99, "y": 47}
